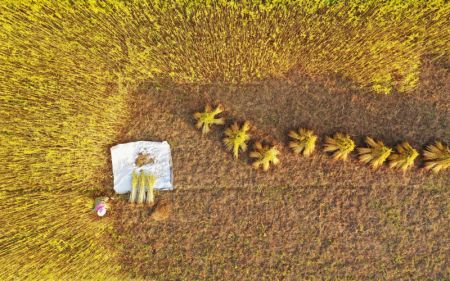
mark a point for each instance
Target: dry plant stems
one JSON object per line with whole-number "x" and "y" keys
{"x": 437, "y": 157}
{"x": 62, "y": 105}
{"x": 236, "y": 138}
{"x": 404, "y": 156}
{"x": 304, "y": 141}
{"x": 208, "y": 117}
{"x": 264, "y": 155}
{"x": 378, "y": 44}
{"x": 150, "y": 181}
{"x": 141, "y": 192}
{"x": 134, "y": 186}
{"x": 375, "y": 155}
{"x": 63, "y": 221}
{"x": 340, "y": 145}
{"x": 142, "y": 187}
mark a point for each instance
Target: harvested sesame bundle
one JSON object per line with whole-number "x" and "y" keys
{"x": 437, "y": 157}
{"x": 375, "y": 154}
{"x": 265, "y": 155}
{"x": 236, "y": 138}
{"x": 341, "y": 145}
{"x": 304, "y": 141}
{"x": 208, "y": 117}
{"x": 404, "y": 156}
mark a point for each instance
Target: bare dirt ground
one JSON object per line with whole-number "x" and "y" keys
{"x": 309, "y": 218}
{"x": 307, "y": 233}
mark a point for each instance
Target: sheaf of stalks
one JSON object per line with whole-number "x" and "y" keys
{"x": 134, "y": 186}
{"x": 437, "y": 157}
{"x": 404, "y": 156}
{"x": 208, "y": 117}
{"x": 264, "y": 156}
{"x": 236, "y": 138}
{"x": 150, "y": 180}
{"x": 142, "y": 188}
{"x": 304, "y": 141}
{"x": 375, "y": 154}
{"x": 340, "y": 146}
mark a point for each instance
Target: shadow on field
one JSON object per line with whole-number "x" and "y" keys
{"x": 326, "y": 105}
{"x": 277, "y": 106}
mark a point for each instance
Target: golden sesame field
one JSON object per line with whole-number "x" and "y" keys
{"x": 77, "y": 77}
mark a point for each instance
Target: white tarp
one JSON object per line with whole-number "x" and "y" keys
{"x": 123, "y": 163}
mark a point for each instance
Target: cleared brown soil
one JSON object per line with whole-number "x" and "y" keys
{"x": 307, "y": 233}
{"x": 309, "y": 218}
